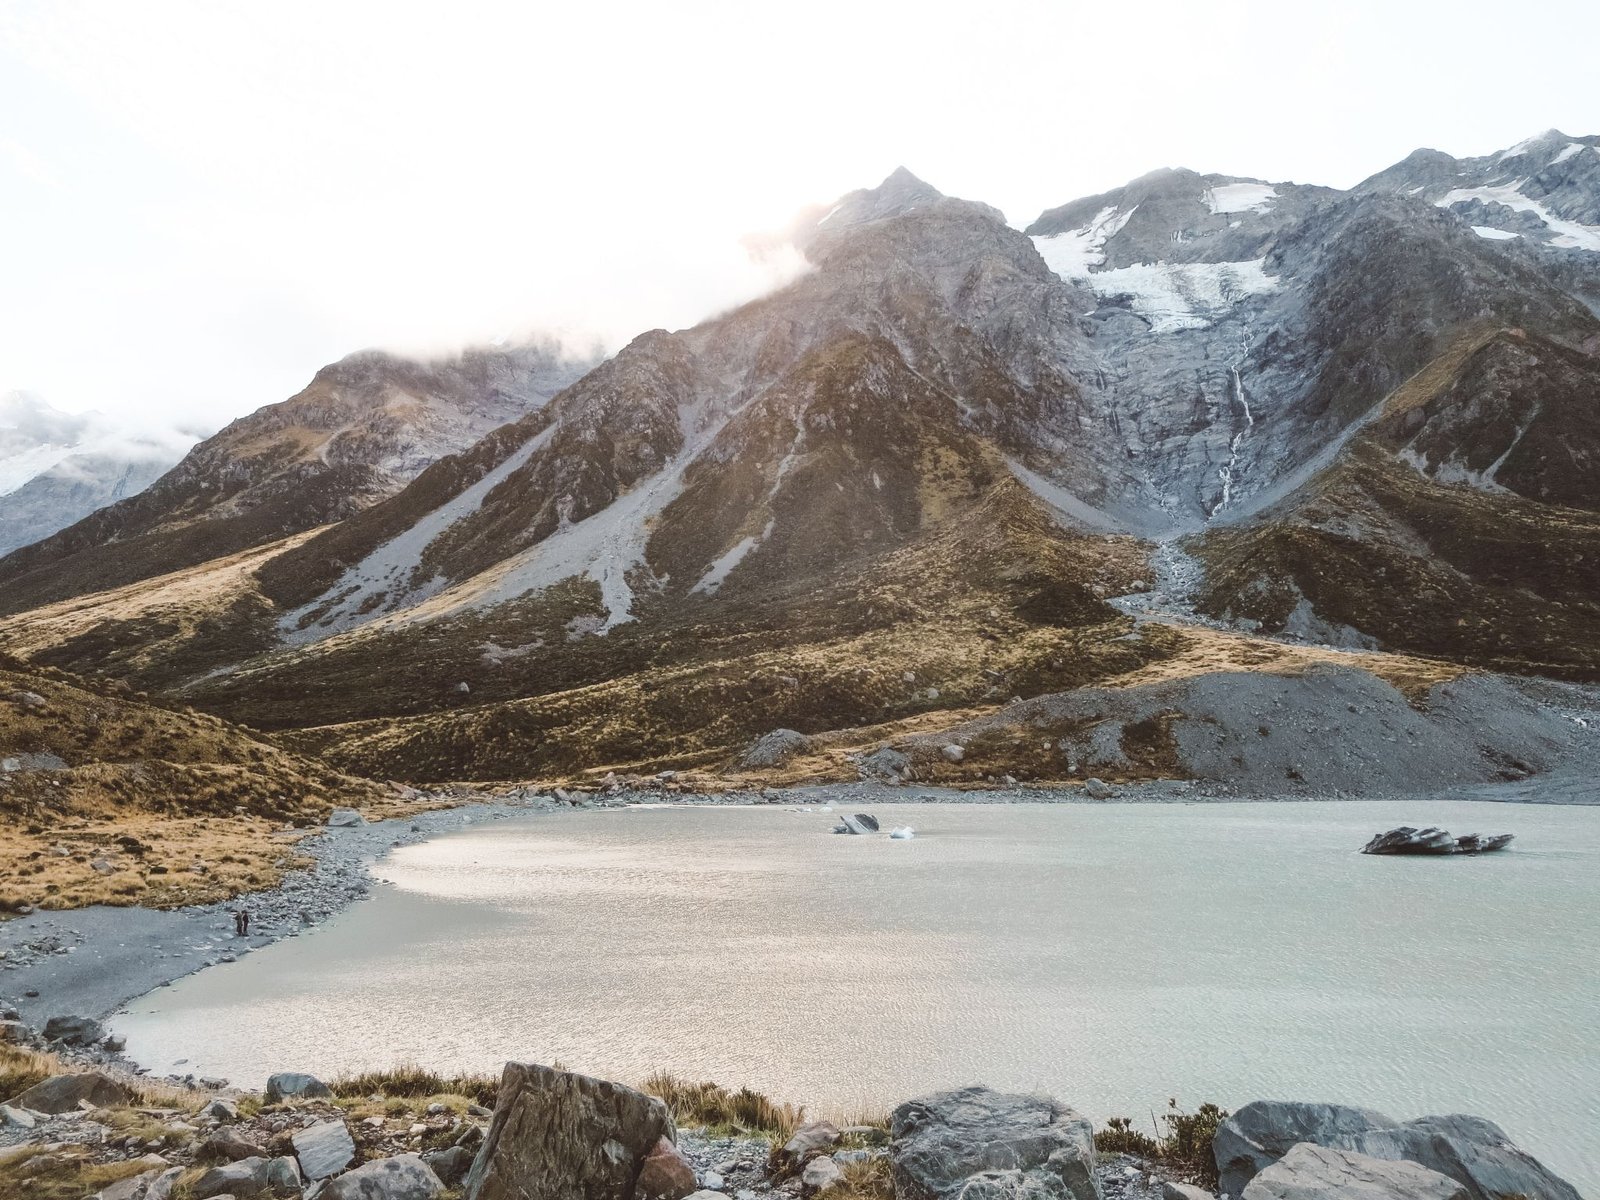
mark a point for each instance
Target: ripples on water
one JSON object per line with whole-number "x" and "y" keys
{"x": 1111, "y": 955}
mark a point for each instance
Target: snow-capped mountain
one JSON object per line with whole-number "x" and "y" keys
{"x": 1350, "y": 415}
{"x": 57, "y": 467}
{"x": 359, "y": 432}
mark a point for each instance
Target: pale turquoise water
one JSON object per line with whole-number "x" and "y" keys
{"x": 1112, "y": 955}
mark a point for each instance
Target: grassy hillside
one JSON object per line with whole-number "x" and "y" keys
{"x": 106, "y": 797}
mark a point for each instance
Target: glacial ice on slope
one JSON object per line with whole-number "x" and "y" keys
{"x": 1569, "y": 235}
{"x": 1494, "y": 235}
{"x": 1241, "y": 197}
{"x": 1071, "y": 255}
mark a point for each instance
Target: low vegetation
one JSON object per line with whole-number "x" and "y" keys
{"x": 1181, "y": 1141}
{"x": 411, "y": 1082}
{"x": 721, "y": 1111}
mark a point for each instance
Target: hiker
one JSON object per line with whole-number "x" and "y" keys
{"x": 241, "y": 922}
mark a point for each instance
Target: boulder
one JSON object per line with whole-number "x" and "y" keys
{"x": 144, "y": 1172}
{"x": 953, "y": 752}
{"x": 1184, "y": 1191}
{"x": 557, "y": 1135}
{"x": 74, "y": 1031}
{"x": 1098, "y": 789}
{"x": 1470, "y": 1150}
{"x": 247, "y": 1179}
{"x": 808, "y": 1141}
{"x": 226, "y": 1146}
{"x": 295, "y": 1085}
{"x": 774, "y": 749}
{"x": 16, "y": 1118}
{"x": 821, "y": 1173}
{"x": 976, "y": 1142}
{"x": 403, "y": 1177}
{"x": 13, "y": 1032}
{"x": 1309, "y": 1172}
{"x": 323, "y": 1149}
{"x": 450, "y": 1164}
{"x": 65, "y": 1093}
{"x": 222, "y": 1110}
{"x": 345, "y": 818}
{"x": 666, "y": 1174}
{"x": 1474, "y": 1152}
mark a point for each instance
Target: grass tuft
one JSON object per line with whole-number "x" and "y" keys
{"x": 721, "y": 1111}
{"x": 408, "y": 1081}
{"x": 1184, "y": 1145}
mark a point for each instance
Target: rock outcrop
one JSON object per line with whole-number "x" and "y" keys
{"x": 976, "y": 1142}
{"x": 562, "y": 1136}
{"x": 1311, "y": 1172}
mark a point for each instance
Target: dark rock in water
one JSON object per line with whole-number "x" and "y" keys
{"x": 1433, "y": 840}
{"x": 1311, "y": 1172}
{"x": 1477, "y": 843}
{"x": 980, "y": 1144}
{"x": 561, "y": 1136}
{"x": 859, "y": 823}
{"x": 1469, "y": 1150}
{"x": 63, "y": 1093}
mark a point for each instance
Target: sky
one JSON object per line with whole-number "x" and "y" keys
{"x": 203, "y": 201}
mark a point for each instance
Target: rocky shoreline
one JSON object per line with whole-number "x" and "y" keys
{"x": 551, "y": 1134}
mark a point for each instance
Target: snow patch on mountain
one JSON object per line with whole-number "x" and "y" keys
{"x": 1570, "y": 149}
{"x": 1569, "y": 235}
{"x": 720, "y": 570}
{"x": 1073, "y": 254}
{"x": 1241, "y": 197}
{"x": 1494, "y": 235}
{"x": 382, "y": 581}
{"x": 1174, "y": 296}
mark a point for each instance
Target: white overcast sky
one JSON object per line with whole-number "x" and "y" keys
{"x": 202, "y": 202}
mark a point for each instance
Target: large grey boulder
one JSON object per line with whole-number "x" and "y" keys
{"x": 1310, "y": 1172}
{"x": 74, "y": 1031}
{"x": 774, "y": 749}
{"x": 1473, "y": 1151}
{"x": 64, "y": 1093}
{"x": 1470, "y": 1150}
{"x": 557, "y": 1135}
{"x": 345, "y": 818}
{"x": 976, "y": 1143}
{"x": 296, "y": 1085}
{"x": 324, "y": 1149}
{"x": 247, "y": 1179}
{"x": 1262, "y": 1132}
{"x": 403, "y": 1177}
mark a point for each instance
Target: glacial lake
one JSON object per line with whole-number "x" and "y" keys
{"x": 1111, "y": 955}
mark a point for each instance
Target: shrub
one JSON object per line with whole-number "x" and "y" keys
{"x": 715, "y": 1107}
{"x": 1185, "y": 1146}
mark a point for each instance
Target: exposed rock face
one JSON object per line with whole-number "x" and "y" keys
{"x": 1473, "y": 1152}
{"x": 62, "y": 1093}
{"x": 1311, "y": 1172}
{"x": 295, "y": 1085}
{"x": 403, "y": 1177}
{"x": 978, "y": 1142}
{"x": 561, "y": 1136}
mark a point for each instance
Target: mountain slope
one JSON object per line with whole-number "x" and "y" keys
{"x": 56, "y": 468}
{"x": 361, "y": 430}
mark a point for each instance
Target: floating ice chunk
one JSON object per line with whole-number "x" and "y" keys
{"x": 902, "y": 833}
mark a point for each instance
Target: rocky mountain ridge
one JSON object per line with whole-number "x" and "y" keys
{"x": 949, "y": 423}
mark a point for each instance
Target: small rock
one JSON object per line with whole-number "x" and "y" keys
{"x": 821, "y": 1173}
{"x": 1184, "y": 1191}
{"x": 953, "y": 753}
{"x": 296, "y": 1085}
{"x": 324, "y": 1149}
{"x": 667, "y": 1174}
{"x": 345, "y": 818}
{"x": 403, "y": 1177}
{"x": 1098, "y": 789}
